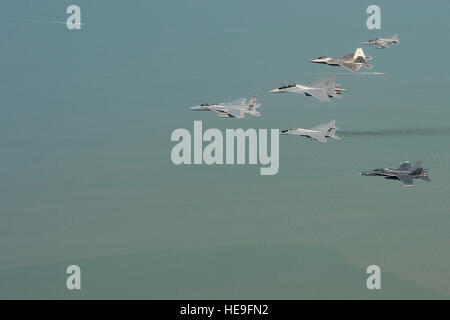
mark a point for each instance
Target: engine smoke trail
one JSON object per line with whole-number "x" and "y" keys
{"x": 397, "y": 132}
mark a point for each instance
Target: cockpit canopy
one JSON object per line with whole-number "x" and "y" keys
{"x": 291, "y": 85}
{"x": 322, "y": 57}
{"x": 205, "y": 105}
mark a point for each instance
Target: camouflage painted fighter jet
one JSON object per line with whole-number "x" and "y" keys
{"x": 234, "y": 109}
{"x": 323, "y": 89}
{"x": 405, "y": 173}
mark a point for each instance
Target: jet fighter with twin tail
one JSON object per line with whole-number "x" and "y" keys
{"x": 234, "y": 109}
{"x": 323, "y": 89}
{"x": 318, "y": 133}
{"x": 351, "y": 61}
{"x": 405, "y": 173}
{"x": 382, "y": 43}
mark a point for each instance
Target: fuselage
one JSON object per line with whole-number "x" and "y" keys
{"x": 393, "y": 174}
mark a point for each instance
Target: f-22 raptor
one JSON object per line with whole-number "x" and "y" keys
{"x": 351, "y": 61}
{"x": 234, "y": 109}
{"x": 318, "y": 133}
{"x": 323, "y": 89}
{"x": 383, "y": 43}
{"x": 405, "y": 173}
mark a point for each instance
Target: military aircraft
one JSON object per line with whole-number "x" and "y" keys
{"x": 351, "y": 61}
{"x": 234, "y": 109}
{"x": 405, "y": 173}
{"x": 383, "y": 43}
{"x": 318, "y": 133}
{"x": 323, "y": 89}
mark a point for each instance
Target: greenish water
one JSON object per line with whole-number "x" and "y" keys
{"x": 86, "y": 176}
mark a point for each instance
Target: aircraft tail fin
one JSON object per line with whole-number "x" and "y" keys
{"x": 359, "y": 54}
{"x": 395, "y": 37}
{"x": 252, "y": 103}
{"x": 330, "y": 130}
{"x": 416, "y": 165}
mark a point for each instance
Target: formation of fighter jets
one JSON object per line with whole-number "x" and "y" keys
{"x": 324, "y": 89}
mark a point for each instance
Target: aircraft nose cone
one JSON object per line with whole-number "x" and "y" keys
{"x": 274, "y": 91}
{"x": 196, "y": 108}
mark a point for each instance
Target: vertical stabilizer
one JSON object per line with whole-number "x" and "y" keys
{"x": 330, "y": 130}
{"x": 359, "y": 53}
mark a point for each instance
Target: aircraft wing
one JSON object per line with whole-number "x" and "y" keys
{"x": 404, "y": 166}
{"x": 321, "y": 94}
{"x": 406, "y": 179}
{"x": 348, "y": 56}
{"x": 235, "y": 113}
{"x": 319, "y": 127}
{"x": 323, "y": 82}
{"x": 237, "y": 102}
{"x": 351, "y": 66}
{"x": 318, "y": 136}
{"x": 383, "y": 44}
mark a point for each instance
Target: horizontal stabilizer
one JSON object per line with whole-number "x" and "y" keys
{"x": 407, "y": 180}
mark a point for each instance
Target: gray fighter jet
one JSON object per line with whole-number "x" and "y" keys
{"x": 351, "y": 61}
{"x": 318, "y": 133}
{"x": 405, "y": 173}
{"x": 234, "y": 109}
{"x": 323, "y": 89}
{"x": 383, "y": 43}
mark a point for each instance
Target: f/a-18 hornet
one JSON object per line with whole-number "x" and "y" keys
{"x": 323, "y": 89}
{"x": 405, "y": 173}
{"x": 234, "y": 109}
{"x": 318, "y": 133}
{"x": 383, "y": 43}
{"x": 351, "y": 61}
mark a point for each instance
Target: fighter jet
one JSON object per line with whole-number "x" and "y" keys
{"x": 234, "y": 109}
{"x": 351, "y": 61}
{"x": 318, "y": 133}
{"x": 323, "y": 89}
{"x": 405, "y": 173}
{"x": 383, "y": 43}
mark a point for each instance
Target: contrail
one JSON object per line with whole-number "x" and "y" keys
{"x": 361, "y": 73}
{"x": 398, "y": 132}
{"x": 39, "y": 21}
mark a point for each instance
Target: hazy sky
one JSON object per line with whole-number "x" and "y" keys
{"x": 86, "y": 176}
